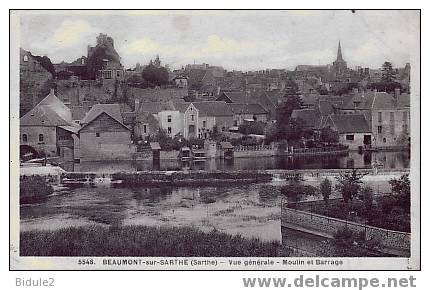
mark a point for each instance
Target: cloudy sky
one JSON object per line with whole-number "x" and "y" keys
{"x": 244, "y": 40}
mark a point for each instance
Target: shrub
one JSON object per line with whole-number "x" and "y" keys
{"x": 325, "y": 188}
{"x": 33, "y": 189}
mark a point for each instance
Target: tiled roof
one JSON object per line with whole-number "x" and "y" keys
{"x": 213, "y": 109}
{"x": 78, "y": 112}
{"x": 237, "y": 97}
{"x": 347, "y": 123}
{"x": 42, "y": 116}
{"x": 48, "y": 112}
{"x": 377, "y": 100}
{"x": 113, "y": 110}
{"x": 255, "y": 109}
{"x": 156, "y": 107}
{"x": 310, "y": 117}
{"x": 325, "y": 107}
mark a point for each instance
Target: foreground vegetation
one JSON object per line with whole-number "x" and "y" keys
{"x": 33, "y": 189}
{"x": 358, "y": 203}
{"x": 142, "y": 241}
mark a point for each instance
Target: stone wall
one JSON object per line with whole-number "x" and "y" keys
{"x": 329, "y": 226}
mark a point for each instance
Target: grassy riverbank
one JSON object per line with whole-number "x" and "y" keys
{"x": 142, "y": 241}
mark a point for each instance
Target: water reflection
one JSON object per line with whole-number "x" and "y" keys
{"x": 230, "y": 209}
{"x": 390, "y": 160}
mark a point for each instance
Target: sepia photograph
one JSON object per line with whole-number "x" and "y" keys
{"x": 215, "y": 139}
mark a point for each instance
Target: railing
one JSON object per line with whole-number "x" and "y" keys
{"x": 322, "y": 150}
{"x": 297, "y": 252}
{"x": 254, "y": 148}
{"x": 329, "y": 225}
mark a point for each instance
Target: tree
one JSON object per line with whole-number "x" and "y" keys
{"x": 295, "y": 190}
{"x": 349, "y": 185}
{"x": 388, "y": 74}
{"x": 252, "y": 128}
{"x": 325, "y": 188}
{"x": 402, "y": 189}
{"x": 156, "y": 76}
{"x": 329, "y": 135}
{"x": 367, "y": 194}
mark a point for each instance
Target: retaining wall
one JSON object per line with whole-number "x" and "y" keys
{"x": 329, "y": 226}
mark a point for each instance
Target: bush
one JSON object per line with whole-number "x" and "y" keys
{"x": 252, "y": 128}
{"x": 33, "y": 189}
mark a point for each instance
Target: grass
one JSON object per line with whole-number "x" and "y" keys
{"x": 142, "y": 241}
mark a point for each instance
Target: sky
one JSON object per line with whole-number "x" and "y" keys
{"x": 240, "y": 40}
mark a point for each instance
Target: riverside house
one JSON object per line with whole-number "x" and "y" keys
{"x": 248, "y": 112}
{"x": 387, "y": 114}
{"x": 104, "y": 136}
{"x": 200, "y": 119}
{"x": 354, "y": 131}
{"x": 48, "y": 129}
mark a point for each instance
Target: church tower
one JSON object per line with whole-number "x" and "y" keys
{"x": 339, "y": 65}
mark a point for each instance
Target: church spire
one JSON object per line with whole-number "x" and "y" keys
{"x": 339, "y": 53}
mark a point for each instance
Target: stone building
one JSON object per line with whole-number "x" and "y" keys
{"x": 105, "y": 61}
{"x": 201, "y": 118}
{"x": 387, "y": 114}
{"x": 354, "y": 131}
{"x": 104, "y": 136}
{"x": 48, "y": 129}
{"x": 339, "y": 65}
{"x": 248, "y": 113}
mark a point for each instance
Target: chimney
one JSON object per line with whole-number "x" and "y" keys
{"x": 397, "y": 92}
{"x": 396, "y": 95}
{"x": 136, "y": 104}
{"x": 52, "y": 92}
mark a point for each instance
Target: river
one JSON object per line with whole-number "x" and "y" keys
{"x": 388, "y": 160}
{"x": 240, "y": 209}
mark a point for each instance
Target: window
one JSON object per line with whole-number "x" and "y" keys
{"x": 405, "y": 117}
{"x": 379, "y": 117}
{"x": 192, "y": 117}
{"x": 25, "y": 58}
{"x": 350, "y": 137}
{"x": 24, "y": 138}
{"x": 191, "y": 129}
{"x": 384, "y": 140}
{"x": 118, "y": 73}
{"x": 204, "y": 124}
{"x": 41, "y": 138}
{"x": 392, "y": 117}
{"x": 169, "y": 130}
{"x": 145, "y": 128}
{"x": 379, "y": 129}
{"x": 97, "y": 134}
{"x": 169, "y": 118}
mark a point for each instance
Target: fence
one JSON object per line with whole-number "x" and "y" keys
{"x": 318, "y": 151}
{"x": 297, "y": 252}
{"x": 329, "y": 226}
{"x": 254, "y": 148}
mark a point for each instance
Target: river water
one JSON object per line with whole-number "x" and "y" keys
{"x": 388, "y": 160}
{"x": 245, "y": 209}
